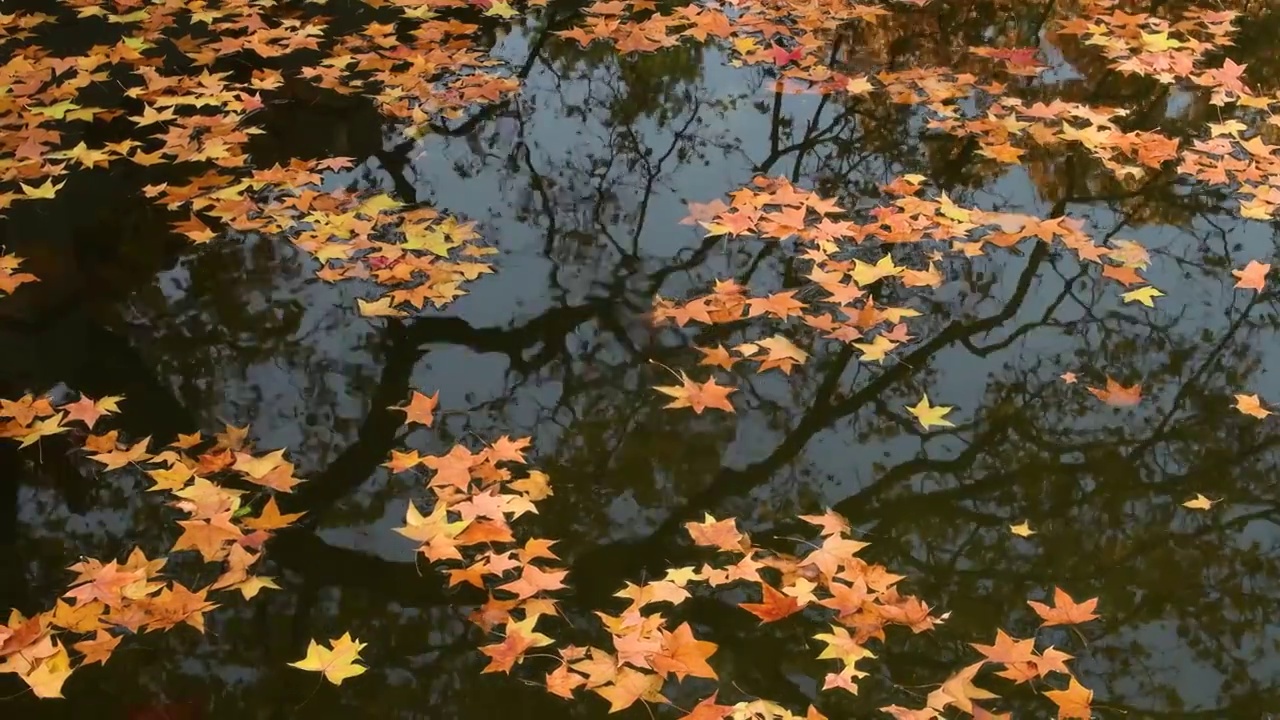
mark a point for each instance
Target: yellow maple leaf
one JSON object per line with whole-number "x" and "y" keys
{"x": 930, "y": 414}
{"x": 1144, "y": 295}
{"x": 1022, "y": 529}
{"x": 42, "y": 192}
{"x": 378, "y": 308}
{"x": 1199, "y": 502}
{"x": 864, "y": 273}
{"x": 337, "y": 662}
{"x": 876, "y": 349}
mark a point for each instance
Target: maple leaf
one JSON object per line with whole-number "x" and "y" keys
{"x": 562, "y": 682}
{"x": 1130, "y": 253}
{"x": 382, "y": 307}
{"x": 1007, "y": 649}
{"x": 722, "y": 534}
{"x": 698, "y": 396}
{"x": 1144, "y": 295}
{"x": 1251, "y": 405}
{"x": 1123, "y": 274}
{"x": 177, "y": 604}
{"x": 774, "y": 606}
{"x": 709, "y": 709}
{"x": 783, "y": 354}
{"x": 630, "y": 685}
{"x": 270, "y": 518}
{"x": 1065, "y": 611}
{"x": 170, "y": 479}
{"x": 47, "y": 676}
{"x": 85, "y": 410}
{"x": 535, "y": 486}
{"x": 99, "y": 649}
{"x": 960, "y": 691}
{"x": 106, "y": 583}
{"x": 117, "y": 459}
{"x": 520, "y": 638}
{"x": 1116, "y": 394}
{"x": 43, "y": 428}
{"x": 258, "y": 467}
{"x": 1253, "y": 276}
{"x": 1072, "y": 702}
{"x": 421, "y": 408}
{"x": 842, "y": 646}
{"x": 717, "y": 356}
{"x": 929, "y": 415}
{"x": 1022, "y": 529}
{"x": 1199, "y": 502}
{"x": 831, "y": 522}
{"x": 865, "y": 273}
{"x": 208, "y": 536}
{"x": 876, "y": 350}
{"x": 337, "y": 662}
{"x": 684, "y": 655}
{"x": 80, "y": 618}
{"x": 534, "y": 580}
{"x": 782, "y": 305}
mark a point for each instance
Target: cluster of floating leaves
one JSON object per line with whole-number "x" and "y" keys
{"x": 467, "y": 534}
{"x": 417, "y": 69}
{"x": 203, "y": 478}
{"x": 774, "y": 210}
{"x": 424, "y": 256}
{"x": 795, "y": 37}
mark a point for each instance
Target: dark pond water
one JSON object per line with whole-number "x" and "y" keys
{"x": 581, "y": 181}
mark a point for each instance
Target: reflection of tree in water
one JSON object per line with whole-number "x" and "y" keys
{"x": 1101, "y": 486}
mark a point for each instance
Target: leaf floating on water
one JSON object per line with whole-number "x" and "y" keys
{"x": 1065, "y": 611}
{"x": 382, "y": 307}
{"x": 1118, "y": 395}
{"x": 337, "y": 662}
{"x": 1199, "y": 502}
{"x": 1145, "y": 295}
{"x": 1022, "y": 529}
{"x": 1073, "y": 703}
{"x": 1251, "y": 405}
{"x": 698, "y": 396}
{"x": 930, "y": 415}
{"x": 1253, "y": 276}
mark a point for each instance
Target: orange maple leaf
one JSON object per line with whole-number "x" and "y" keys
{"x": 1065, "y": 611}
{"x": 774, "y": 606}
{"x": 1072, "y": 702}
{"x": 684, "y": 655}
{"x": 1118, "y": 395}
{"x": 1253, "y": 276}
{"x": 698, "y": 396}
{"x": 421, "y": 408}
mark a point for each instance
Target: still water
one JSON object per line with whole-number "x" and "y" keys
{"x": 581, "y": 180}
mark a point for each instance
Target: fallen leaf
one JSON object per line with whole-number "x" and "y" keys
{"x": 1145, "y": 295}
{"x": 1199, "y": 502}
{"x": 1253, "y": 276}
{"x": 1065, "y": 610}
{"x": 337, "y": 662}
{"x": 930, "y": 415}
{"x": 698, "y": 396}
{"x": 1251, "y": 405}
